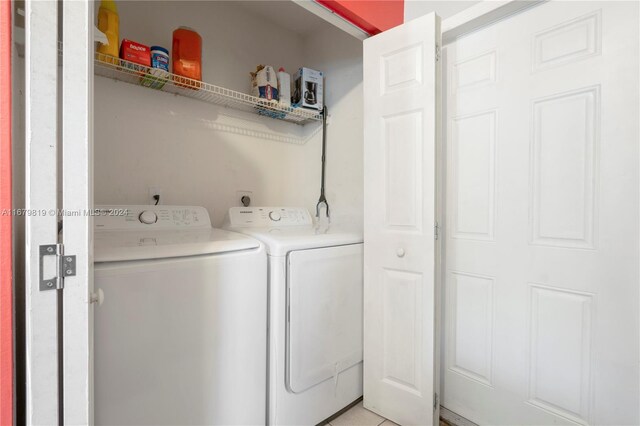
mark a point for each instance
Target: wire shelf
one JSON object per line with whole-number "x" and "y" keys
{"x": 140, "y": 75}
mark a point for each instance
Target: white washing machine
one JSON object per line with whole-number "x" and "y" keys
{"x": 315, "y": 312}
{"x": 181, "y": 328}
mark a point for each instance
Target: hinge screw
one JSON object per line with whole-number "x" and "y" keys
{"x": 69, "y": 271}
{"x": 49, "y": 249}
{"x": 49, "y": 284}
{"x": 68, "y": 259}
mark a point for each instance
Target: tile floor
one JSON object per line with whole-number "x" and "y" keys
{"x": 360, "y": 416}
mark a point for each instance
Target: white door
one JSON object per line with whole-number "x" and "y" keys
{"x": 401, "y": 116}
{"x": 58, "y": 149}
{"x": 542, "y": 291}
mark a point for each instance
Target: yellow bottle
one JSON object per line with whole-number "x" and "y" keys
{"x": 108, "y": 23}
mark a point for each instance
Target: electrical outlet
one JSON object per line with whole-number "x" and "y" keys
{"x": 240, "y": 195}
{"x": 155, "y": 190}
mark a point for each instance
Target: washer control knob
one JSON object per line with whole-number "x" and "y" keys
{"x": 274, "y": 215}
{"x": 400, "y": 252}
{"x": 148, "y": 217}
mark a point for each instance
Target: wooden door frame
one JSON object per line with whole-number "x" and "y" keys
{"x": 482, "y": 15}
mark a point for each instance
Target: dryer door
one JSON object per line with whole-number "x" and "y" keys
{"x": 324, "y": 327}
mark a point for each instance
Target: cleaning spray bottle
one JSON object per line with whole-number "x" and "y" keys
{"x": 109, "y": 23}
{"x": 284, "y": 88}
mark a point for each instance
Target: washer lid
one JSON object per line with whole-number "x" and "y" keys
{"x": 120, "y": 245}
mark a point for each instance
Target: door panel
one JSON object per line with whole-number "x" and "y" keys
{"x": 400, "y": 86}
{"x": 473, "y": 152}
{"x": 403, "y": 177}
{"x": 471, "y": 305}
{"x": 402, "y": 330}
{"x": 541, "y": 322}
{"x": 559, "y": 374}
{"x": 325, "y": 314}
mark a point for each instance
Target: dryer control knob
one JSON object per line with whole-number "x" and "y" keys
{"x": 275, "y": 216}
{"x": 148, "y": 217}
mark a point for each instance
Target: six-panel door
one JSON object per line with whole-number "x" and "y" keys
{"x": 542, "y": 218}
{"x": 400, "y": 94}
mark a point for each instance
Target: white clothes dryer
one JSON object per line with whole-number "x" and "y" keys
{"x": 315, "y": 312}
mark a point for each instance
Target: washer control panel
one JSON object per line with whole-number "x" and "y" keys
{"x": 264, "y": 217}
{"x": 151, "y": 217}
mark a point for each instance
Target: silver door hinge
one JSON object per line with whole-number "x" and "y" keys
{"x": 437, "y": 53}
{"x": 435, "y": 401}
{"x": 65, "y": 266}
{"x": 436, "y": 231}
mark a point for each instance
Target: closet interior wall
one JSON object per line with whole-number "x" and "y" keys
{"x": 202, "y": 154}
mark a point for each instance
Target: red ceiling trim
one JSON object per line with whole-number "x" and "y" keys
{"x": 372, "y": 16}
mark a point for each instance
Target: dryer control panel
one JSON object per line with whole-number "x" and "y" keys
{"x": 265, "y": 217}
{"x": 151, "y": 217}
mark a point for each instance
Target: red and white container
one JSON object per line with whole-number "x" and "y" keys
{"x": 135, "y": 52}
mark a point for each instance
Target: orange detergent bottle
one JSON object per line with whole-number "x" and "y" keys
{"x": 187, "y": 56}
{"x": 108, "y": 23}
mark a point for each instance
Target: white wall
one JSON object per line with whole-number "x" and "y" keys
{"x": 202, "y": 154}
{"x": 340, "y": 57}
{"x": 416, "y": 8}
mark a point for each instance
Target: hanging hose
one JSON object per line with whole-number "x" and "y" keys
{"x": 322, "y": 201}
